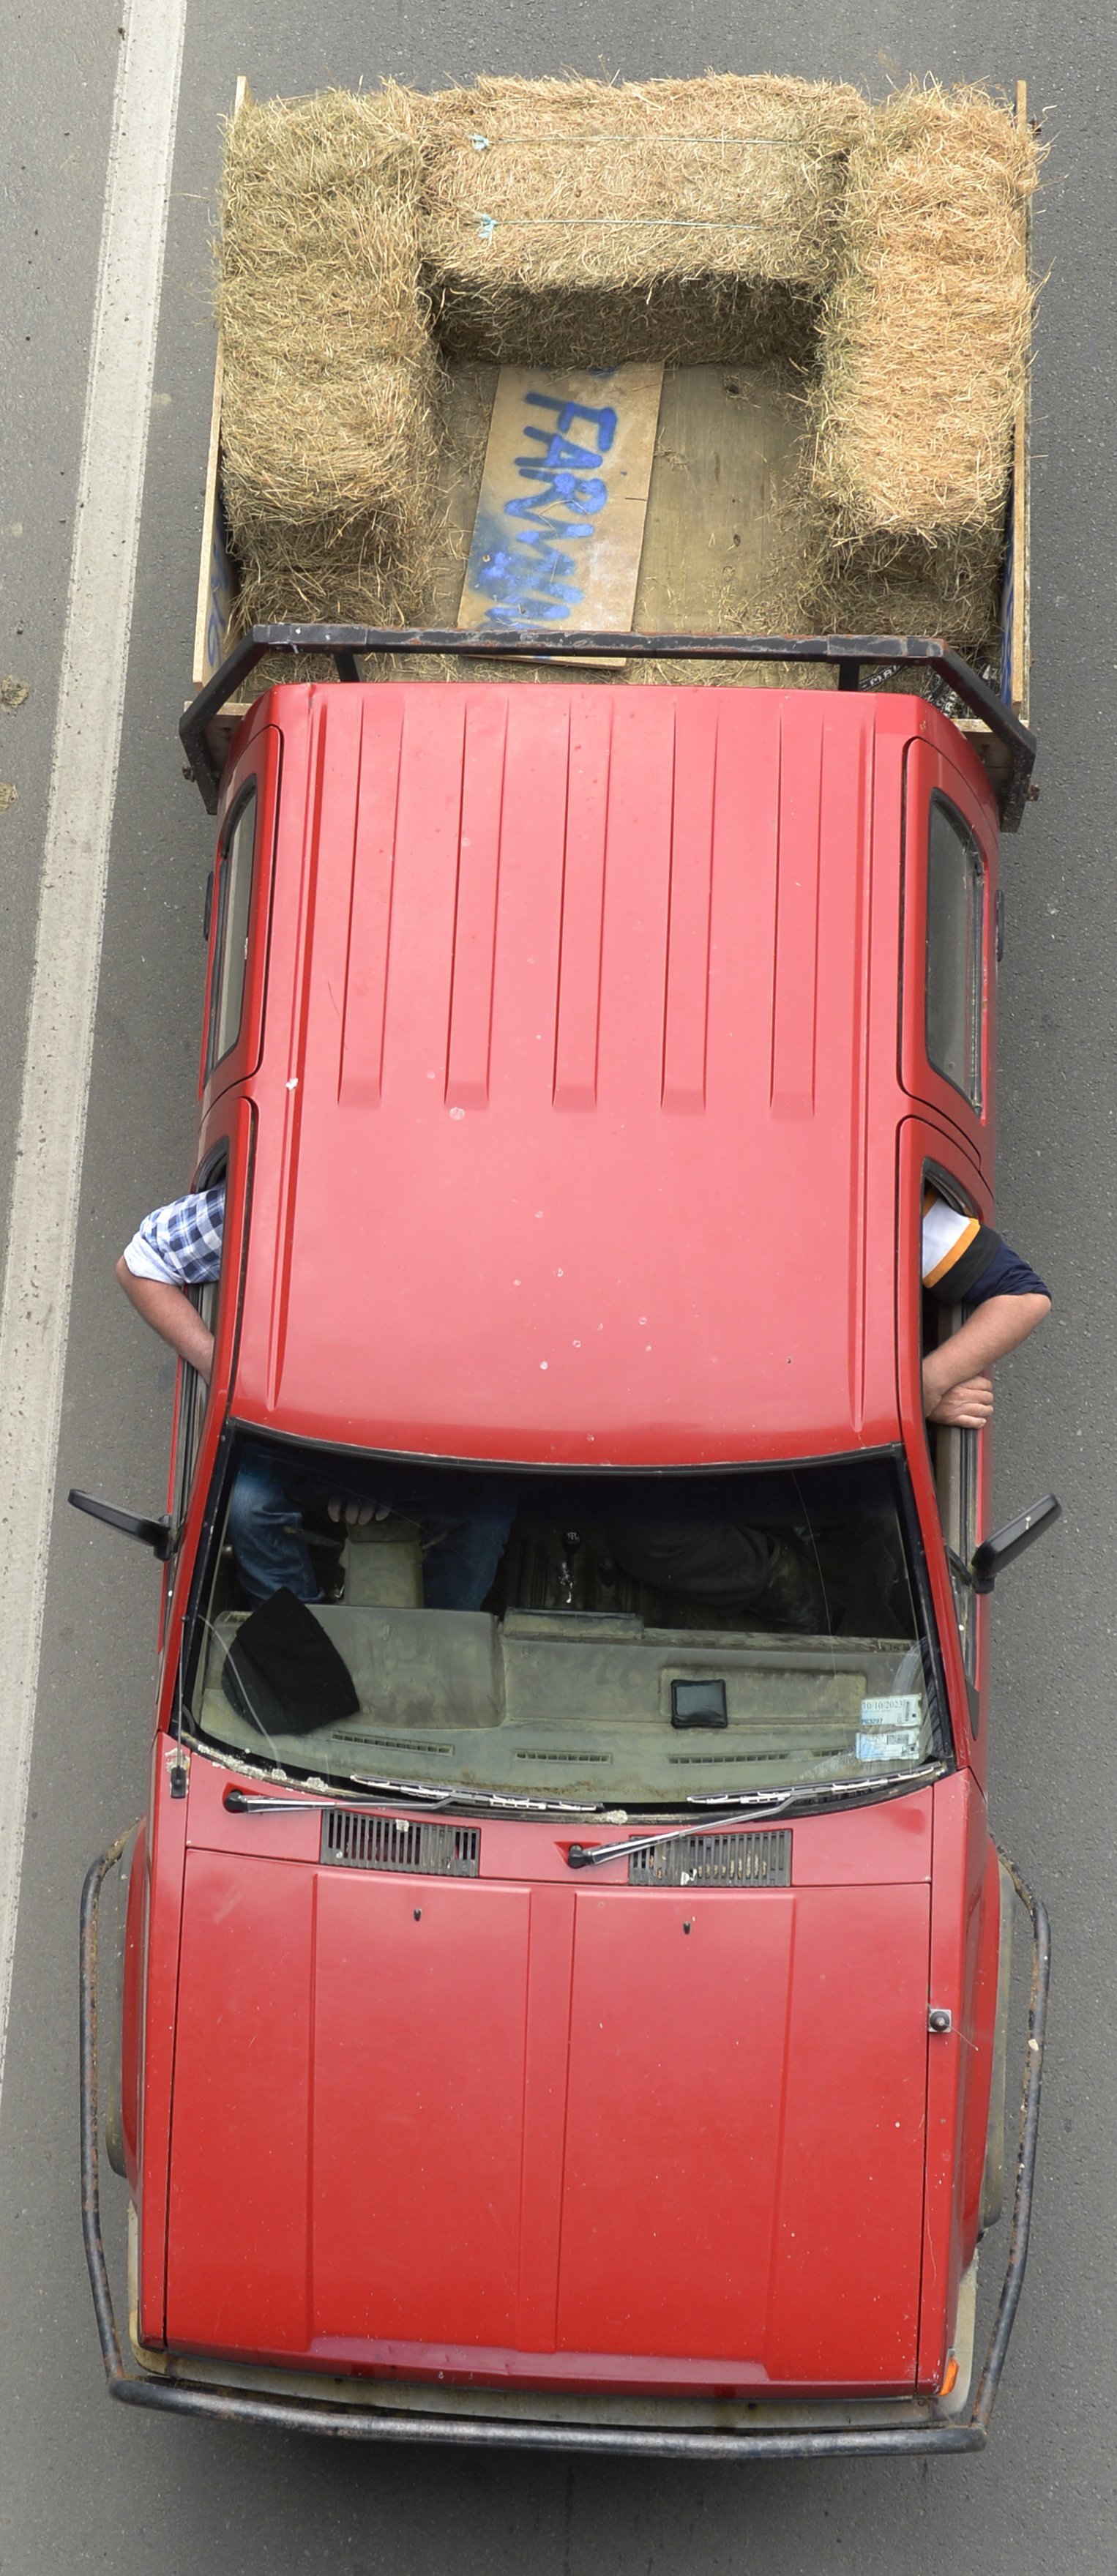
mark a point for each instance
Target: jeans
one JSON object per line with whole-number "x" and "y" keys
{"x": 460, "y": 1556}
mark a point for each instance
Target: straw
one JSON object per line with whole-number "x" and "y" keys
{"x": 558, "y": 214}
{"x": 925, "y": 332}
{"x": 881, "y": 253}
{"x": 330, "y": 368}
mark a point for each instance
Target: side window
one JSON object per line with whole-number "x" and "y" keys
{"x": 955, "y": 949}
{"x": 191, "y": 1413}
{"x": 233, "y": 895}
{"x": 956, "y": 1479}
{"x": 955, "y": 1456}
{"x": 194, "y": 1391}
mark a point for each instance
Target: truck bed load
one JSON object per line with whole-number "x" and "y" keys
{"x": 808, "y": 316}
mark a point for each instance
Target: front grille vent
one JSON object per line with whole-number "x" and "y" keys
{"x": 714, "y": 1860}
{"x": 352, "y": 1841}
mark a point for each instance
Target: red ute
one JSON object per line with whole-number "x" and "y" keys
{"x": 593, "y": 2030}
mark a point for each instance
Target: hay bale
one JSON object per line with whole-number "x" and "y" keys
{"x": 925, "y": 332}
{"x": 904, "y": 586}
{"x": 568, "y": 221}
{"x": 888, "y": 583}
{"x": 329, "y": 365}
{"x": 882, "y": 251}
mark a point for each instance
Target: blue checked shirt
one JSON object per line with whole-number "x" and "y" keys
{"x": 180, "y": 1244}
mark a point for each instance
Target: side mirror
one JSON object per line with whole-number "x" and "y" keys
{"x": 153, "y": 1534}
{"x": 991, "y": 1558}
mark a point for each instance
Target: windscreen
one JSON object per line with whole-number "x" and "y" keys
{"x": 607, "y": 1641}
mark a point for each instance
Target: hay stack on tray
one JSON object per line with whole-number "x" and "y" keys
{"x": 327, "y": 429}
{"x": 569, "y": 222}
{"x": 923, "y": 358}
{"x": 888, "y": 584}
{"x": 566, "y": 222}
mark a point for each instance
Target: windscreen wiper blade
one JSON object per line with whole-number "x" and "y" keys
{"x": 496, "y": 1802}
{"x": 807, "y": 1797}
{"x": 742, "y": 1810}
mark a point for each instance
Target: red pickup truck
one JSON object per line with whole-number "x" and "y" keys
{"x": 596, "y": 2037}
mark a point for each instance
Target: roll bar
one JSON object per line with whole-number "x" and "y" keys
{"x": 345, "y": 645}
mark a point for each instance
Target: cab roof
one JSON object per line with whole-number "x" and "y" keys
{"x": 578, "y": 1094}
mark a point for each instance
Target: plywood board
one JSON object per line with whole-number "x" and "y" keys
{"x": 717, "y": 518}
{"x": 559, "y": 527}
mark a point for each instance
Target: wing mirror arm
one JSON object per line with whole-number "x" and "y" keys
{"x": 153, "y": 1534}
{"x": 991, "y": 1558}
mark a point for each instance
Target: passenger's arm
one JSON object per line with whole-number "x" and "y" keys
{"x": 170, "y": 1314}
{"x": 956, "y": 1389}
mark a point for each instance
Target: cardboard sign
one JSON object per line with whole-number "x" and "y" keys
{"x": 560, "y": 518}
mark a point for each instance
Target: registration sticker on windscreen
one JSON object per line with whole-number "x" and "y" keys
{"x": 893, "y": 1729}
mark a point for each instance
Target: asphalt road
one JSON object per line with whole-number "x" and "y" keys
{"x": 83, "y": 2484}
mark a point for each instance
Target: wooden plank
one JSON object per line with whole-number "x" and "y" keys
{"x": 1016, "y": 636}
{"x": 215, "y": 572}
{"x": 216, "y": 578}
{"x": 724, "y": 459}
{"x": 1020, "y": 647}
{"x": 991, "y": 752}
{"x": 564, "y": 493}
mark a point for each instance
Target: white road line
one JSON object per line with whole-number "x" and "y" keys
{"x": 38, "y": 1275}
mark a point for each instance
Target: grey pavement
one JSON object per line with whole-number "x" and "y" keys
{"x": 86, "y": 2485}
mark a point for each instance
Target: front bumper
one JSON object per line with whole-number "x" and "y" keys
{"x": 774, "y": 2431}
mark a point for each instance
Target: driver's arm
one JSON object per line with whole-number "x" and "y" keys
{"x": 955, "y": 1388}
{"x": 965, "y": 1262}
{"x": 176, "y": 1248}
{"x": 170, "y": 1314}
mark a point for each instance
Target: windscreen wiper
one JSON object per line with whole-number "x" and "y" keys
{"x": 242, "y": 1802}
{"x": 736, "y": 1811}
{"x": 586, "y": 1856}
{"x": 754, "y": 1803}
{"x": 493, "y": 1800}
{"x": 809, "y": 1797}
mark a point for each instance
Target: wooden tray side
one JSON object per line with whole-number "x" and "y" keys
{"x": 216, "y": 579}
{"x": 1020, "y": 650}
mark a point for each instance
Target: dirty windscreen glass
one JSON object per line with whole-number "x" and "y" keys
{"x": 614, "y": 1641}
